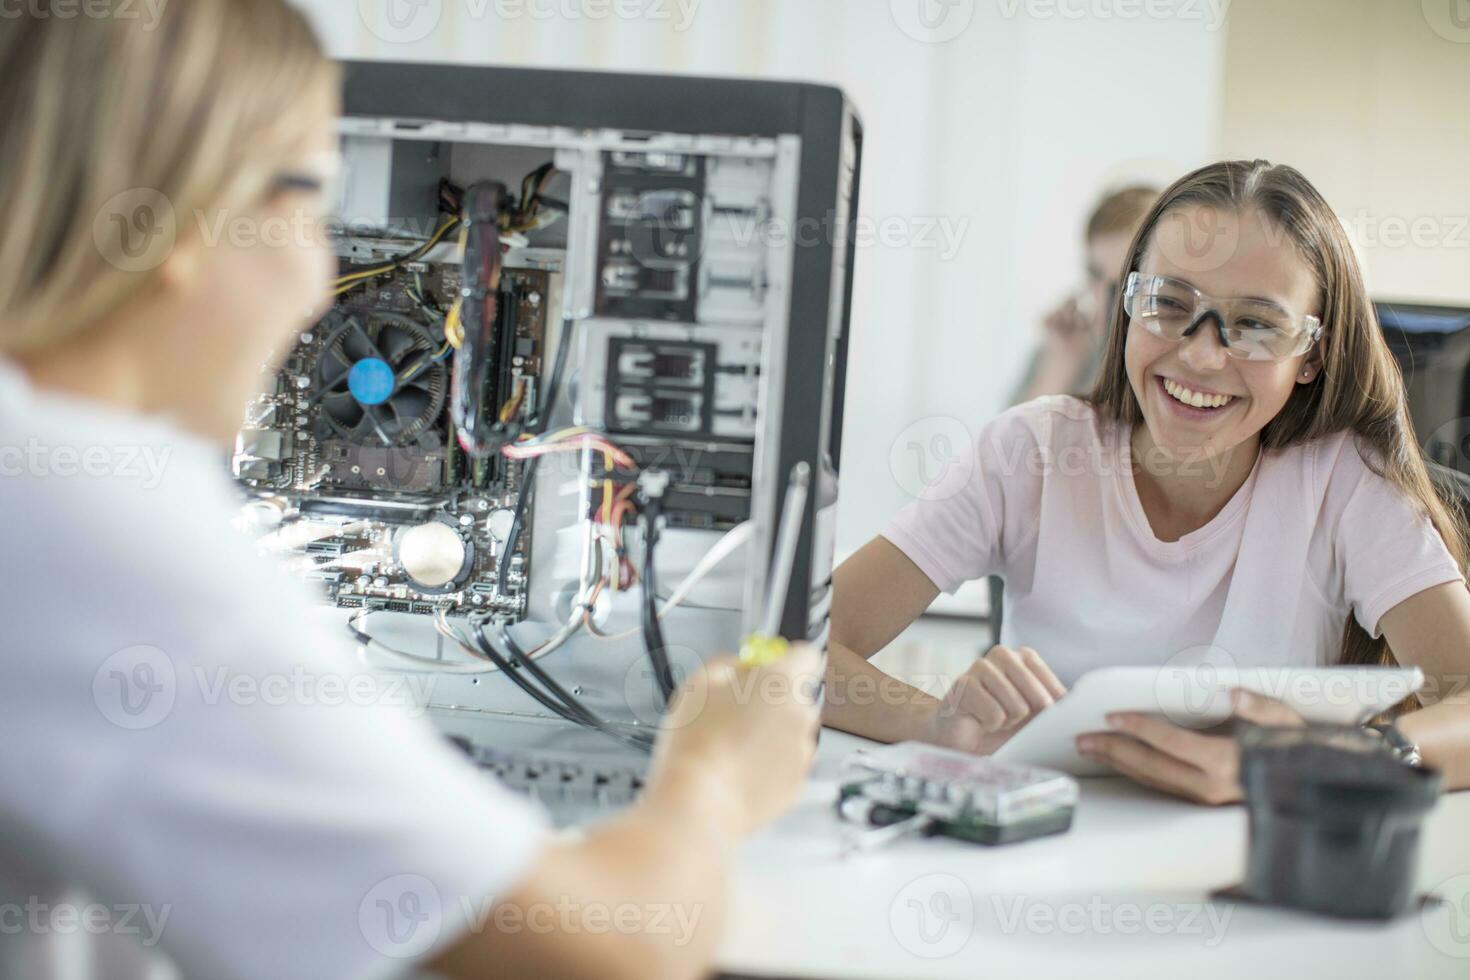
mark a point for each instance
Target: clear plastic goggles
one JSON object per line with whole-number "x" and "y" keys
{"x": 1249, "y": 329}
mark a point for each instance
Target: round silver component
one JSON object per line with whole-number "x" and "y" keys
{"x": 432, "y": 554}
{"x": 264, "y": 513}
{"x": 498, "y": 524}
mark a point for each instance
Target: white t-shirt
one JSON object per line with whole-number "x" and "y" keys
{"x": 190, "y": 765}
{"x": 1044, "y": 497}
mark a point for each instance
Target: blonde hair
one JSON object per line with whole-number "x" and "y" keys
{"x": 116, "y": 118}
{"x": 1121, "y": 212}
{"x": 1359, "y": 388}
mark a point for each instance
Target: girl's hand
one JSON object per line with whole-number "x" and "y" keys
{"x": 1201, "y": 768}
{"x": 993, "y": 699}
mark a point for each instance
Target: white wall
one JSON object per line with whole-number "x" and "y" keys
{"x": 1003, "y": 133}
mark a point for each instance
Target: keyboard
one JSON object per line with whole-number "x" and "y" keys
{"x": 572, "y": 791}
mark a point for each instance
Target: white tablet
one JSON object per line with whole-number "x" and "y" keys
{"x": 1199, "y": 697}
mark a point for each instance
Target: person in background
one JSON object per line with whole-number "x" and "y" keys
{"x": 164, "y": 193}
{"x": 1073, "y": 334}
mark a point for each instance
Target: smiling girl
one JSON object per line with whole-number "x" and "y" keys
{"x": 1243, "y": 481}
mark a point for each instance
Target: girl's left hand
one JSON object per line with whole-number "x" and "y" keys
{"x": 1201, "y": 768}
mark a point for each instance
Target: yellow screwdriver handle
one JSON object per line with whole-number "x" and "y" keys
{"x": 760, "y": 650}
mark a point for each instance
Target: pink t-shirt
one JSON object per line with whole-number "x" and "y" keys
{"x": 1044, "y": 497}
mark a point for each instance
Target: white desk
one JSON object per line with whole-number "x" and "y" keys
{"x": 1123, "y": 894}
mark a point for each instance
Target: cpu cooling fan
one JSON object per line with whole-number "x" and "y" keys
{"x": 377, "y": 379}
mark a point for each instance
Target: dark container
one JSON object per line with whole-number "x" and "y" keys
{"x": 1334, "y": 821}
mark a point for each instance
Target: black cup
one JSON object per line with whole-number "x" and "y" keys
{"x": 1334, "y": 821}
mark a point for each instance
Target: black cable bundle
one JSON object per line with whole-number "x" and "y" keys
{"x": 536, "y": 427}
{"x": 653, "y": 636}
{"x": 478, "y": 431}
{"x": 555, "y": 698}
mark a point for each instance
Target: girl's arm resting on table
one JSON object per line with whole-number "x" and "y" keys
{"x": 1431, "y": 631}
{"x": 862, "y": 699}
{"x": 876, "y": 594}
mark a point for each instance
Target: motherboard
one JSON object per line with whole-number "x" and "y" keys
{"x": 350, "y": 461}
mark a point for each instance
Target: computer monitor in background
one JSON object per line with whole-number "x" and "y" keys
{"x": 1432, "y": 347}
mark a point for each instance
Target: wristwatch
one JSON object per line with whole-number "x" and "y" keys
{"x": 1397, "y": 743}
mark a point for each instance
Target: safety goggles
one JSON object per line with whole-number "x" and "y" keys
{"x": 1249, "y": 329}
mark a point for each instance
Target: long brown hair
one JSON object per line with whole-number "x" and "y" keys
{"x": 1359, "y": 387}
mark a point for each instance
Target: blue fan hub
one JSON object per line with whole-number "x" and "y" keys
{"x": 371, "y": 381}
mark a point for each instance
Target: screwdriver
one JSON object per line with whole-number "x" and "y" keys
{"x": 766, "y": 645}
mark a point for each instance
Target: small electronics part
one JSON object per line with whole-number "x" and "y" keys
{"x": 964, "y": 796}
